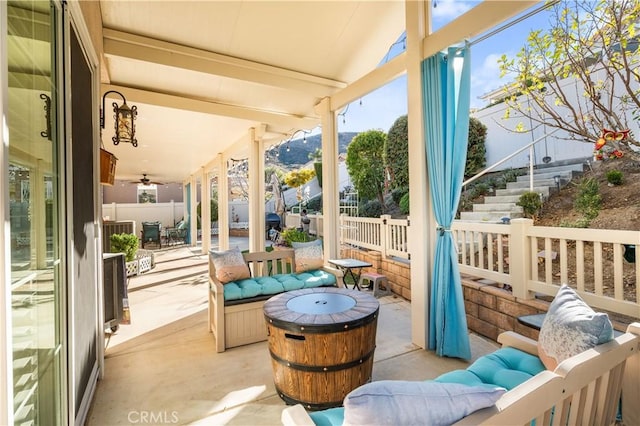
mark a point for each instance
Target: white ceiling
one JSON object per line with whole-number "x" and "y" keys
{"x": 202, "y": 73}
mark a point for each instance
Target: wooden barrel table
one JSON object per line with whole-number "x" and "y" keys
{"x": 321, "y": 342}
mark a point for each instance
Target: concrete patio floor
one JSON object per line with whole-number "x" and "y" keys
{"x": 163, "y": 369}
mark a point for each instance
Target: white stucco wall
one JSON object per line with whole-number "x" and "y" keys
{"x": 501, "y": 142}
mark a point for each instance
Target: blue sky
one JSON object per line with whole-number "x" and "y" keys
{"x": 380, "y": 109}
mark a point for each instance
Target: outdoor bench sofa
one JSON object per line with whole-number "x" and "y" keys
{"x": 584, "y": 389}
{"x": 236, "y": 308}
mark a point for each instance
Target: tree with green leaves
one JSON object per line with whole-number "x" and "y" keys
{"x": 397, "y": 153}
{"x": 271, "y": 169}
{"x": 582, "y": 74}
{"x": 365, "y": 164}
{"x": 316, "y": 157}
{"x": 476, "y": 150}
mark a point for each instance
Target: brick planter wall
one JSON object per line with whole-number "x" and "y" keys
{"x": 490, "y": 309}
{"x": 397, "y": 272}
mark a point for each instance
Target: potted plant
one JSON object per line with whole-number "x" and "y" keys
{"x": 127, "y": 244}
{"x": 295, "y": 235}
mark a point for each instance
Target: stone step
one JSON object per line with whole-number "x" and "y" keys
{"x": 579, "y": 168}
{"x": 544, "y": 190}
{"x": 499, "y": 207}
{"x": 500, "y": 199}
{"x": 551, "y": 183}
{"x": 566, "y": 175}
{"x": 491, "y": 217}
{"x": 503, "y": 203}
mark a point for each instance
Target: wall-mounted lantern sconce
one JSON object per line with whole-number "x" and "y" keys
{"x": 47, "y": 115}
{"x": 124, "y": 120}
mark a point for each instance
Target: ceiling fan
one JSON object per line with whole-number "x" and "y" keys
{"x": 146, "y": 181}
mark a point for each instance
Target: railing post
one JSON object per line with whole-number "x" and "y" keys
{"x": 520, "y": 257}
{"x": 384, "y": 234}
{"x": 631, "y": 385}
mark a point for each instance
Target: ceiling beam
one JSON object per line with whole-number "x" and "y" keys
{"x": 132, "y": 46}
{"x": 474, "y": 23}
{"x": 370, "y": 82}
{"x": 275, "y": 119}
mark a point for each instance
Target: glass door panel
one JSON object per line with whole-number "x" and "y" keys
{"x": 34, "y": 206}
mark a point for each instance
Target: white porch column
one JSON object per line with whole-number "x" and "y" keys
{"x": 193, "y": 211}
{"x": 256, "y": 191}
{"x": 223, "y": 202}
{"x": 330, "y": 195}
{"x": 205, "y": 210}
{"x": 422, "y": 241}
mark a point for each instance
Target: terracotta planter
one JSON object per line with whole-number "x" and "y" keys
{"x": 107, "y": 167}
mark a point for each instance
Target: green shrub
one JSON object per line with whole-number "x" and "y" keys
{"x": 493, "y": 182}
{"x": 588, "y": 200}
{"x": 124, "y": 243}
{"x": 580, "y": 223}
{"x": 404, "y": 204}
{"x": 398, "y": 193}
{"x": 315, "y": 204}
{"x": 476, "y": 149}
{"x": 511, "y": 175}
{"x": 371, "y": 208}
{"x": 465, "y": 204}
{"x": 614, "y": 177}
{"x": 479, "y": 189}
{"x": 530, "y": 203}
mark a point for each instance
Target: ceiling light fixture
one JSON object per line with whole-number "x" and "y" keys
{"x": 124, "y": 120}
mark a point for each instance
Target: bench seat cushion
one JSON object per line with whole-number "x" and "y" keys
{"x": 507, "y": 367}
{"x": 252, "y": 287}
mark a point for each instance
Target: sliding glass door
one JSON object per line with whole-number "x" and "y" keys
{"x": 33, "y": 177}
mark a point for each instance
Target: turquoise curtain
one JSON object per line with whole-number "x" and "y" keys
{"x": 445, "y": 85}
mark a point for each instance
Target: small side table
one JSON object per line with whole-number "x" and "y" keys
{"x": 350, "y": 268}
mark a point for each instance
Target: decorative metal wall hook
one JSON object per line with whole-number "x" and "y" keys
{"x": 47, "y": 115}
{"x": 124, "y": 120}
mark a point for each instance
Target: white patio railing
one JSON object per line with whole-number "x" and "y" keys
{"x": 536, "y": 259}
{"x": 386, "y": 235}
{"x": 530, "y": 259}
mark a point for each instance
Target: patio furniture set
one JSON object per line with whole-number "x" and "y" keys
{"x": 153, "y": 233}
{"x": 579, "y": 371}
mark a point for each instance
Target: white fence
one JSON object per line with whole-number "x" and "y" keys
{"x": 536, "y": 259}
{"x": 386, "y": 235}
{"x": 168, "y": 214}
{"x": 530, "y": 259}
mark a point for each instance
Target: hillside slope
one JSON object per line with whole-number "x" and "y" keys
{"x": 620, "y": 204}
